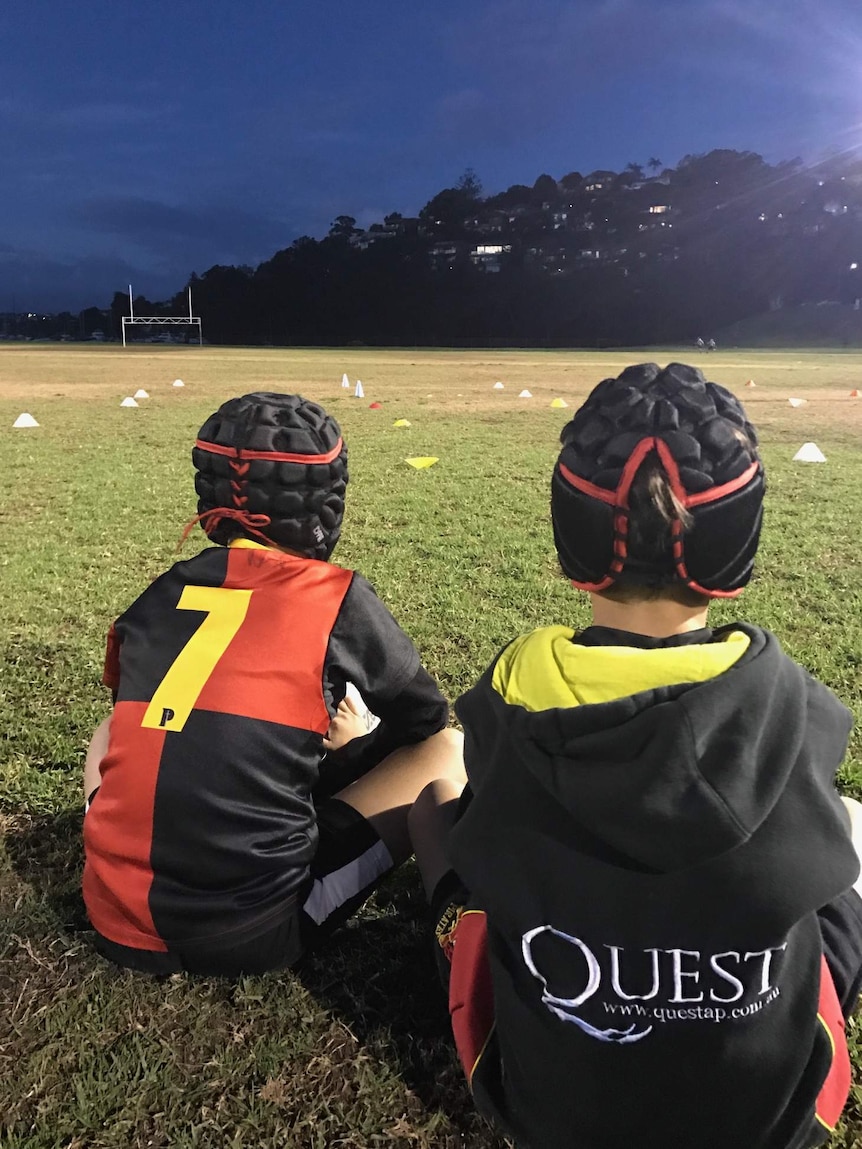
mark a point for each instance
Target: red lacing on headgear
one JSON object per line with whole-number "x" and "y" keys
{"x": 210, "y": 519}
{"x": 240, "y": 498}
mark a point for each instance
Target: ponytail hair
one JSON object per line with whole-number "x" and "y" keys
{"x": 654, "y": 511}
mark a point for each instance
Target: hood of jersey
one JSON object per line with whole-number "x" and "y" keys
{"x": 670, "y": 756}
{"x": 650, "y": 836}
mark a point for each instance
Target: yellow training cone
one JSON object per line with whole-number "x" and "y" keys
{"x": 559, "y": 403}
{"x": 422, "y": 461}
{"x": 401, "y": 423}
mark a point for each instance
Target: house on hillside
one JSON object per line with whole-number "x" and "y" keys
{"x": 599, "y": 181}
{"x": 492, "y": 224}
{"x": 447, "y": 253}
{"x": 489, "y": 256}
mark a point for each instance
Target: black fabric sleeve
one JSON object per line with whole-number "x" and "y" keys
{"x": 368, "y": 648}
{"x": 419, "y": 711}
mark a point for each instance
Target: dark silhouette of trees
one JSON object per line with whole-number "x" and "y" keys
{"x": 545, "y": 190}
{"x": 646, "y": 255}
{"x": 343, "y": 227}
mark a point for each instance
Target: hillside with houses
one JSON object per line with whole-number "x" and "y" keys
{"x": 650, "y": 254}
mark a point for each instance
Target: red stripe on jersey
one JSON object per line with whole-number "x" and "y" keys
{"x": 471, "y": 993}
{"x": 836, "y": 1088}
{"x": 272, "y": 669}
{"x": 118, "y": 832}
{"x": 111, "y": 673}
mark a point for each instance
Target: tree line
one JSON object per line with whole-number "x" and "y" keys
{"x": 650, "y": 254}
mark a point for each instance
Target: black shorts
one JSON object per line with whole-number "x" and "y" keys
{"x": 350, "y": 862}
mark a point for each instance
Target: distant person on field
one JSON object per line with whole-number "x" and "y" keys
{"x": 646, "y": 891}
{"x": 699, "y": 342}
{"x": 238, "y": 810}
{"x": 711, "y": 345}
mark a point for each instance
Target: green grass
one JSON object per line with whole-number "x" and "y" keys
{"x": 352, "y": 1050}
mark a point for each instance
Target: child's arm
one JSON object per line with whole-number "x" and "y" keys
{"x": 416, "y": 713}
{"x": 348, "y": 724}
{"x": 367, "y": 647}
{"x": 96, "y": 751}
{"x": 98, "y": 747}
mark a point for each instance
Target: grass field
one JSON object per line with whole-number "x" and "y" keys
{"x": 353, "y": 1050}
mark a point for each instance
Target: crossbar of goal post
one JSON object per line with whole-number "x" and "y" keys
{"x": 133, "y": 320}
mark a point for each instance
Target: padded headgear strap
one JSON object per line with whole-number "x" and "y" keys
{"x": 692, "y": 427}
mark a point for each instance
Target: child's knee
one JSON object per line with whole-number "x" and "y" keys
{"x": 453, "y": 740}
{"x": 450, "y": 748}
{"x": 431, "y": 799}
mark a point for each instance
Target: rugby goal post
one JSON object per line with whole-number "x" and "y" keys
{"x": 189, "y": 320}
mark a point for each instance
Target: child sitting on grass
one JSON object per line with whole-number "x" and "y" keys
{"x": 229, "y": 827}
{"x": 651, "y": 917}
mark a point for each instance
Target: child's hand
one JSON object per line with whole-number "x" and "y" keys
{"x": 348, "y": 723}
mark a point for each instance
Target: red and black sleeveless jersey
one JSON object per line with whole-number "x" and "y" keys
{"x": 226, "y": 672}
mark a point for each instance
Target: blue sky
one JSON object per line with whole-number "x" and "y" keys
{"x": 143, "y": 141}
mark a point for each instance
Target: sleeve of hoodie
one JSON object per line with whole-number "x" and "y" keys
{"x": 368, "y": 648}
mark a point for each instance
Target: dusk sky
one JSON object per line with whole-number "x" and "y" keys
{"x": 142, "y": 141}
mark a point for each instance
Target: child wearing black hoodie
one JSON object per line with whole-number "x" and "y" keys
{"x": 644, "y": 899}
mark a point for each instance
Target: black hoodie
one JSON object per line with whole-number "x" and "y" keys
{"x": 650, "y": 868}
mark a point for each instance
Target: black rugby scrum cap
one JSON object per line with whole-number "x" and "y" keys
{"x": 699, "y": 433}
{"x": 273, "y": 466}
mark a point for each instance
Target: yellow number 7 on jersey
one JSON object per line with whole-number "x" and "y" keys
{"x": 180, "y": 689}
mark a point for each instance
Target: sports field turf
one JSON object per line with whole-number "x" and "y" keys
{"x": 353, "y": 1050}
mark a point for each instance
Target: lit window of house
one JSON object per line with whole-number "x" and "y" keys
{"x": 659, "y": 208}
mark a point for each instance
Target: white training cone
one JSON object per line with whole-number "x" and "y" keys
{"x": 498, "y": 386}
{"x": 809, "y": 453}
{"x": 797, "y": 402}
{"x": 345, "y": 382}
{"x": 141, "y": 394}
{"x": 359, "y": 393}
{"x": 25, "y": 419}
{"x": 179, "y": 383}
{"x": 129, "y": 402}
{"x": 750, "y": 383}
{"x": 525, "y": 394}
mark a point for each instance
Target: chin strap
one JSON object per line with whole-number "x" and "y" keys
{"x": 210, "y": 519}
